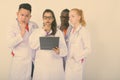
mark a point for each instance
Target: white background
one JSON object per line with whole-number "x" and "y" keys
{"x": 103, "y": 22}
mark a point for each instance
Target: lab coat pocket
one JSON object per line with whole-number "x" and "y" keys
{"x": 77, "y": 66}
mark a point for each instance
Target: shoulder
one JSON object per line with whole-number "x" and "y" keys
{"x": 84, "y": 31}
{"x": 40, "y": 31}
{"x": 59, "y": 32}
{"x": 33, "y": 24}
{"x": 69, "y": 28}
{"x": 58, "y": 26}
{"x": 13, "y": 26}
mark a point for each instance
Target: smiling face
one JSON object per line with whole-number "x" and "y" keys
{"x": 23, "y": 16}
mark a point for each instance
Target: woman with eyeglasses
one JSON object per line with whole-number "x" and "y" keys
{"x": 48, "y": 63}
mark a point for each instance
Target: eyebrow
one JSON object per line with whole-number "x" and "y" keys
{"x": 47, "y": 16}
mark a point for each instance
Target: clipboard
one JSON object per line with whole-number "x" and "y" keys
{"x": 48, "y": 43}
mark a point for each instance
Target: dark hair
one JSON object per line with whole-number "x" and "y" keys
{"x": 66, "y": 10}
{"x": 54, "y": 24}
{"x": 25, "y": 6}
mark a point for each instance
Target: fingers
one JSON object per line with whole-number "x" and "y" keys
{"x": 56, "y": 49}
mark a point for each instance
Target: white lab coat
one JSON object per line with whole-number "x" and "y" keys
{"x": 78, "y": 48}
{"x": 48, "y": 65}
{"x": 66, "y": 40}
{"x": 22, "y": 60}
{"x": 67, "y": 33}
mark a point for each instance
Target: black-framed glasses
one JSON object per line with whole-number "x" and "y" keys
{"x": 47, "y": 17}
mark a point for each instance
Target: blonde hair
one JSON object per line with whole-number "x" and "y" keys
{"x": 80, "y": 13}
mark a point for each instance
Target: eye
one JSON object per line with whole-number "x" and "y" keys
{"x": 47, "y": 17}
{"x": 27, "y": 15}
{"x": 22, "y": 14}
{"x": 66, "y": 17}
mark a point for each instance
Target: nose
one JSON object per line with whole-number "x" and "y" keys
{"x": 23, "y": 18}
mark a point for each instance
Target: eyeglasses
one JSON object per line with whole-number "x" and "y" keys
{"x": 47, "y": 17}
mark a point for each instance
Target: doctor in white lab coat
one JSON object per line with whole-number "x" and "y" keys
{"x": 18, "y": 35}
{"x": 78, "y": 46}
{"x": 48, "y": 63}
{"x": 65, "y": 27}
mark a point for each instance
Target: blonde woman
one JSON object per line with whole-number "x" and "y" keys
{"x": 78, "y": 46}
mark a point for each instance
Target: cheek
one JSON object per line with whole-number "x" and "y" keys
{"x": 19, "y": 19}
{"x": 44, "y": 21}
{"x": 27, "y": 19}
{"x": 72, "y": 20}
{"x": 51, "y": 21}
